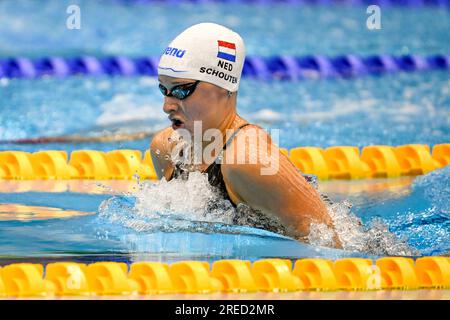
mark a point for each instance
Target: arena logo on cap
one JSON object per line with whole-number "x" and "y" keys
{"x": 175, "y": 52}
{"x": 226, "y": 51}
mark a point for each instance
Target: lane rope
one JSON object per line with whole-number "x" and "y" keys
{"x": 338, "y": 162}
{"x": 226, "y": 276}
{"x": 282, "y": 67}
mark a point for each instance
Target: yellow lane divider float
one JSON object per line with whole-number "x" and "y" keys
{"x": 226, "y": 276}
{"x": 342, "y": 162}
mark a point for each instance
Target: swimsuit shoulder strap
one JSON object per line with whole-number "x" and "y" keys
{"x": 234, "y": 135}
{"x": 214, "y": 169}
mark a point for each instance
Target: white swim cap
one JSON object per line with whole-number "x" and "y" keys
{"x": 208, "y": 52}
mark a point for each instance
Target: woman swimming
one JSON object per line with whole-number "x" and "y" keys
{"x": 199, "y": 74}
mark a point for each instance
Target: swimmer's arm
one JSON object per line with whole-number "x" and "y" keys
{"x": 285, "y": 194}
{"x": 159, "y": 150}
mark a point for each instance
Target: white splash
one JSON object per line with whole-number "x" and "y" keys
{"x": 192, "y": 199}
{"x": 174, "y": 205}
{"x": 374, "y": 238}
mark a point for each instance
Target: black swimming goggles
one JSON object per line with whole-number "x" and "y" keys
{"x": 181, "y": 91}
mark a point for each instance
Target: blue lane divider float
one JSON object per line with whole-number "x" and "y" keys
{"x": 264, "y": 68}
{"x": 402, "y": 3}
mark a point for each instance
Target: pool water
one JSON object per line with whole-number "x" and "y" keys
{"x": 126, "y": 221}
{"x": 111, "y": 28}
{"x": 97, "y": 220}
{"x": 392, "y": 110}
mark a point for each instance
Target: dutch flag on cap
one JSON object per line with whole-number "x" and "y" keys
{"x": 227, "y": 51}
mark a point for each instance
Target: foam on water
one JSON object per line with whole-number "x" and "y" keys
{"x": 170, "y": 206}
{"x": 374, "y": 237}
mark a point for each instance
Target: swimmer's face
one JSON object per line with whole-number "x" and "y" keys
{"x": 208, "y": 104}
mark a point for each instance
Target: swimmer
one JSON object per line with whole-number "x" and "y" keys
{"x": 199, "y": 74}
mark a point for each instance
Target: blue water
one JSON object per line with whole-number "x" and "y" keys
{"x": 35, "y": 28}
{"x": 393, "y": 110}
{"x": 418, "y": 214}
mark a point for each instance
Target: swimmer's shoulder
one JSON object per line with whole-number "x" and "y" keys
{"x": 248, "y": 137}
{"x": 233, "y": 171}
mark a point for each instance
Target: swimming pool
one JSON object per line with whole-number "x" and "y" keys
{"x": 88, "y": 221}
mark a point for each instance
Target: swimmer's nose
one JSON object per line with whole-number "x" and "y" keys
{"x": 170, "y": 105}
